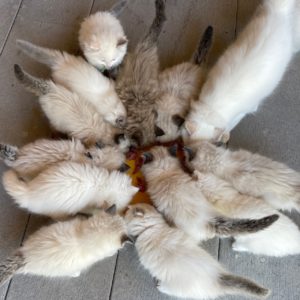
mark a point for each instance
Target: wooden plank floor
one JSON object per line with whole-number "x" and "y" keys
{"x": 273, "y": 131}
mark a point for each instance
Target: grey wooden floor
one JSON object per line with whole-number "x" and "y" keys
{"x": 273, "y": 131}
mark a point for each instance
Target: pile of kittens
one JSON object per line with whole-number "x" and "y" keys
{"x": 211, "y": 191}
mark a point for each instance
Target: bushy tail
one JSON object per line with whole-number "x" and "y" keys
{"x": 8, "y": 152}
{"x": 284, "y": 6}
{"x": 239, "y": 285}
{"x": 10, "y": 266}
{"x": 229, "y": 227}
{"x": 118, "y": 7}
{"x": 49, "y": 57}
{"x": 204, "y": 46}
{"x": 36, "y": 85}
{"x": 15, "y": 187}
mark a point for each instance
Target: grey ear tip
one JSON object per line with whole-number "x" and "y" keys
{"x": 112, "y": 210}
{"x": 124, "y": 168}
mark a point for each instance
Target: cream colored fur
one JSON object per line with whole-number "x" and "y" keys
{"x": 248, "y": 72}
{"x": 69, "y": 187}
{"x": 250, "y": 173}
{"x": 179, "y": 85}
{"x": 279, "y": 239}
{"x": 180, "y": 266}
{"x": 70, "y": 247}
{"x": 74, "y": 73}
{"x": 102, "y": 40}
{"x": 35, "y": 157}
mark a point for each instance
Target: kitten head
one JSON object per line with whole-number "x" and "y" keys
{"x": 199, "y": 125}
{"x": 108, "y": 157}
{"x": 140, "y": 216}
{"x": 102, "y": 40}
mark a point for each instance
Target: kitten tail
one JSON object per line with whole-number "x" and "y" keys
{"x": 204, "y": 46}
{"x": 236, "y": 284}
{"x": 8, "y": 152}
{"x": 15, "y": 187}
{"x": 49, "y": 57}
{"x": 36, "y": 85}
{"x": 227, "y": 226}
{"x": 158, "y": 21}
{"x": 10, "y": 266}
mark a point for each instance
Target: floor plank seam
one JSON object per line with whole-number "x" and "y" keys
{"x": 219, "y": 247}
{"x": 22, "y": 239}
{"x": 91, "y": 8}
{"x": 11, "y": 26}
{"x": 113, "y": 278}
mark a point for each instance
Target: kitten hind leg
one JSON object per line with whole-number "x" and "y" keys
{"x": 8, "y": 153}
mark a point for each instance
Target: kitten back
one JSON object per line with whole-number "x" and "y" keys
{"x": 236, "y": 284}
{"x": 36, "y": 85}
{"x": 227, "y": 226}
{"x": 10, "y": 266}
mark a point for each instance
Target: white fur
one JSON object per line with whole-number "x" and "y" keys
{"x": 279, "y": 239}
{"x": 251, "y": 174}
{"x": 68, "y": 187}
{"x": 98, "y": 38}
{"x": 69, "y": 113}
{"x": 179, "y": 85}
{"x": 248, "y": 72}
{"x": 182, "y": 268}
{"x": 41, "y": 154}
{"x": 70, "y": 247}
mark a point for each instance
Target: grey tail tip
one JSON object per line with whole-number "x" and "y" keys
{"x": 18, "y": 71}
{"x": 241, "y": 285}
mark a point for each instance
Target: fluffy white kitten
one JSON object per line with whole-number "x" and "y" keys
{"x": 74, "y": 73}
{"x": 179, "y": 85}
{"x": 69, "y": 113}
{"x": 248, "y": 72}
{"x": 39, "y": 155}
{"x": 179, "y": 197}
{"x": 279, "y": 239}
{"x": 102, "y": 38}
{"x": 249, "y": 173}
{"x": 179, "y": 265}
{"x": 67, "y": 248}
{"x": 69, "y": 187}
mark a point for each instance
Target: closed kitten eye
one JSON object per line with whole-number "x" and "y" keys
{"x": 122, "y": 41}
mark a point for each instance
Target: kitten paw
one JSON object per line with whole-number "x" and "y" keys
{"x": 238, "y": 247}
{"x": 77, "y": 274}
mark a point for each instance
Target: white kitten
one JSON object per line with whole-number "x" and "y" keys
{"x": 179, "y": 197}
{"x": 35, "y": 157}
{"x": 179, "y": 265}
{"x": 179, "y": 85}
{"x": 249, "y": 173}
{"x": 67, "y": 248}
{"x": 67, "y": 112}
{"x": 248, "y": 72}
{"x": 279, "y": 239}
{"x": 102, "y": 38}
{"x": 69, "y": 187}
{"x": 74, "y": 73}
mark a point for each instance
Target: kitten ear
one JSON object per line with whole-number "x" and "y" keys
{"x": 222, "y": 135}
{"x": 190, "y": 127}
{"x": 158, "y": 131}
{"x": 173, "y": 150}
{"x": 122, "y": 41}
{"x": 117, "y": 8}
{"x": 178, "y": 120}
{"x": 112, "y": 210}
{"x": 124, "y": 168}
{"x": 189, "y": 153}
{"x": 147, "y": 157}
{"x": 138, "y": 212}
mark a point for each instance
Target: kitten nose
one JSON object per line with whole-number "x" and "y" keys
{"x": 121, "y": 121}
